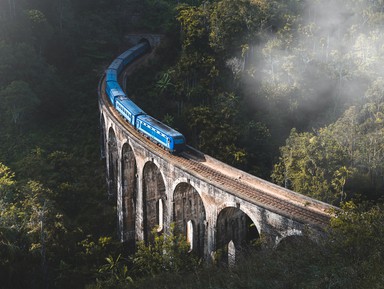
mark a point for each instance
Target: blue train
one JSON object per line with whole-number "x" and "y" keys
{"x": 156, "y": 131}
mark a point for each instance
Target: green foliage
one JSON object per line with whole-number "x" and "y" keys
{"x": 202, "y": 90}
{"x": 31, "y": 229}
{"x": 217, "y": 129}
{"x": 158, "y": 16}
{"x": 166, "y": 255}
{"x": 19, "y": 100}
{"x": 193, "y": 22}
{"x": 357, "y": 240}
{"x": 169, "y": 252}
{"x": 41, "y": 29}
{"x": 115, "y": 270}
{"x": 51, "y": 53}
{"x": 164, "y": 82}
{"x": 49, "y": 138}
{"x": 349, "y": 257}
{"x": 342, "y": 159}
{"x": 234, "y": 24}
{"x": 7, "y": 181}
{"x": 309, "y": 163}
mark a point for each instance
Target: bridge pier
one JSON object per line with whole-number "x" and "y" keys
{"x": 139, "y": 207}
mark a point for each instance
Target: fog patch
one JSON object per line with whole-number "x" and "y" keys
{"x": 321, "y": 62}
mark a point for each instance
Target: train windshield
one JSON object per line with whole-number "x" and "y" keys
{"x": 179, "y": 140}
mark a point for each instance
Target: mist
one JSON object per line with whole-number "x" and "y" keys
{"x": 320, "y": 61}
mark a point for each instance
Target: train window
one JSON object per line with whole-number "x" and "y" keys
{"x": 179, "y": 140}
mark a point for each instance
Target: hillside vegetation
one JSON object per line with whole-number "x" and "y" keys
{"x": 291, "y": 91}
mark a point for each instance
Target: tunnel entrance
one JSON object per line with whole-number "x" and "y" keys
{"x": 189, "y": 216}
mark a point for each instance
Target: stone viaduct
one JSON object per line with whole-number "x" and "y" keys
{"x": 216, "y": 206}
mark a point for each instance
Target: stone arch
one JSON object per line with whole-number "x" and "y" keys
{"x": 129, "y": 194}
{"x": 189, "y": 210}
{"x": 146, "y": 40}
{"x": 153, "y": 191}
{"x": 235, "y": 228}
{"x": 153, "y": 39}
{"x": 298, "y": 242}
{"x": 112, "y": 164}
{"x": 288, "y": 234}
{"x": 245, "y": 209}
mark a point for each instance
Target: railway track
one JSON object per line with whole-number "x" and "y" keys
{"x": 258, "y": 197}
{"x": 188, "y": 162}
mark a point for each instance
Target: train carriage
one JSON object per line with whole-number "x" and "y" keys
{"x": 111, "y": 75}
{"x": 128, "y": 109}
{"x": 132, "y": 53}
{"x": 117, "y": 64}
{"x": 161, "y": 134}
{"x": 158, "y": 132}
{"x": 127, "y": 56}
{"x": 114, "y": 90}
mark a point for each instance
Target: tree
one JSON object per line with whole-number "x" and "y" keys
{"x": 158, "y": 16}
{"x": 356, "y": 238}
{"x": 308, "y": 165}
{"x": 18, "y": 101}
{"x": 345, "y": 157}
{"x": 41, "y": 29}
{"x": 194, "y": 25}
{"x": 233, "y": 24}
{"x": 167, "y": 253}
{"x": 7, "y": 181}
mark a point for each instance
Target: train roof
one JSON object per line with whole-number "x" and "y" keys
{"x": 130, "y": 105}
{"x": 126, "y": 53}
{"x": 114, "y": 89}
{"x": 115, "y": 64}
{"x": 160, "y": 126}
{"x": 111, "y": 74}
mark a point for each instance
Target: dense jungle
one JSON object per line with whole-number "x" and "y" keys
{"x": 290, "y": 91}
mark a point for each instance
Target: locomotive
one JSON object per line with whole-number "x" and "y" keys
{"x": 156, "y": 131}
